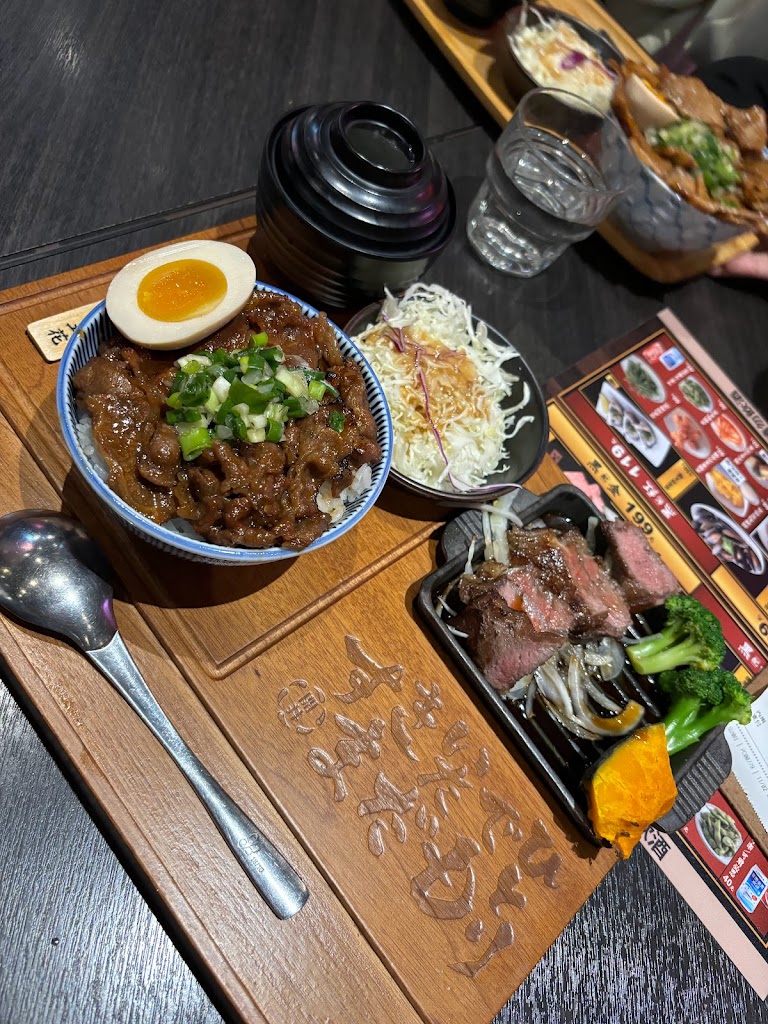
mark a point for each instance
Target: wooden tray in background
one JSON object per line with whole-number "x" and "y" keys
{"x": 470, "y": 51}
{"x": 315, "y": 696}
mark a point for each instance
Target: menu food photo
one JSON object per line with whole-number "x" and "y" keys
{"x": 384, "y": 545}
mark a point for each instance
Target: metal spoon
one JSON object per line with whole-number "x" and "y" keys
{"x": 54, "y": 576}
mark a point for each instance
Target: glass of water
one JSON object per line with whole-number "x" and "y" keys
{"x": 552, "y": 177}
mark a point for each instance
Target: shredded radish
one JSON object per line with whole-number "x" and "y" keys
{"x": 445, "y": 382}
{"x": 468, "y": 568}
{"x": 457, "y": 632}
{"x": 495, "y": 529}
{"x": 591, "y": 533}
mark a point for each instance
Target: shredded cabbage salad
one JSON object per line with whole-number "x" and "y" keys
{"x": 445, "y": 381}
{"x": 555, "y": 55}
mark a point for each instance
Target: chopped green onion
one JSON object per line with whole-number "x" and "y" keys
{"x": 273, "y": 355}
{"x": 246, "y": 395}
{"x": 253, "y": 376}
{"x": 294, "y": 381}
{"x": 237, "y": 425}
{"x": 194, "y": 442}
{"x": 220, "y": 415}
{"x": 199, "y": 359}
{"x": 190, "y": 366}
{"x": 255, "y": 399}
{"x": 274, "y": 430}
{"x": 194, "y": 389}
{"x": 275, "y": 411}
{"x": 294, "y": 410}
{"x": 212, "y": 402}
{"x": 220, "y": 388}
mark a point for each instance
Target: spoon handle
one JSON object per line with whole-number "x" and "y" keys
{"x": 278, "y": 883}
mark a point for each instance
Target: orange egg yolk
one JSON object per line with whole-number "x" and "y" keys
{"x": 181, "y": 290}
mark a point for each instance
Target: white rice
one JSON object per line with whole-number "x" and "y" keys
{"x": 334, "y": 507}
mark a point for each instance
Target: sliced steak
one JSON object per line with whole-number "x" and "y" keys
{"x": 644, "y": 579}
{"x": 568, "y": 571}
{"x": 502, "y": 641}
{"x": 523, "y": 590}
{"x": 484, "y": 578}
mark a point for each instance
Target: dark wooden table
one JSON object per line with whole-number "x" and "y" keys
{"x": 114, "y": 114}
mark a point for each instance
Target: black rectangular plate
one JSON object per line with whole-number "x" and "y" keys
{"x": 558, "y": 756}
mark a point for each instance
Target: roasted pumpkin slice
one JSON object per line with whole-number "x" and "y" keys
{"x": 630, "y": 787}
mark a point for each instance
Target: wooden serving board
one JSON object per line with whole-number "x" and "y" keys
{"x": 471, "y": 52}
{"x": 439, "y": 872}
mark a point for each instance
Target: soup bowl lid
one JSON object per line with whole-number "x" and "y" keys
{"x": 361, "y": 173}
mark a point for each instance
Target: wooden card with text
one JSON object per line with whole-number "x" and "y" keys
{"x": 439, "y": 871}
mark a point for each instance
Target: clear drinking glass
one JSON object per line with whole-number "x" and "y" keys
{"x": 553, "y": 175}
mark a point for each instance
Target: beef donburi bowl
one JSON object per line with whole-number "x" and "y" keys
{"x": 703, "y": 163}
{"x": 267, "y": 439}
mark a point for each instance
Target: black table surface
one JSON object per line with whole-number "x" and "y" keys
{"x": 114, "y": 114}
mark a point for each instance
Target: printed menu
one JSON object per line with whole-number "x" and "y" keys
{"x": 650, "y": 428}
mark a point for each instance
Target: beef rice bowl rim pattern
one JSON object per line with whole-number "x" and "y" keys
{"x": 96, "y": 327}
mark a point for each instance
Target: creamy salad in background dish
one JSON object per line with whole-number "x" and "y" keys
{"x": 554, "y": 55}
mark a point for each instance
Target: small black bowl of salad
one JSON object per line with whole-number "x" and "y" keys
{"x": 469, "y": 418}
{"x": 541, "y": 47}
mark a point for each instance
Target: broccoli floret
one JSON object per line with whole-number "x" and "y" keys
{"x": 700, "y": 700}
{"x": 692, "y": 635}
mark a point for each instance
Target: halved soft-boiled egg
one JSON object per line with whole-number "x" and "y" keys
{"x": 649, "y": 109}
{"x": 179, "y": 294}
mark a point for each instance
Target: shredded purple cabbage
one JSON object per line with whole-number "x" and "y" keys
{"x": 573, "y": 60}
{"x": 398, "y": 339}
{"x": 576, "y": 58}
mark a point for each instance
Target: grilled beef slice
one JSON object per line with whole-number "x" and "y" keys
{"x": 502, "y": 641}
{"x": 754, "y": 181}
{"x": 692, "y": 99}
{"x": 644, "y": 579}
{"x": 523, "y": 590}
{"x": 747, "y": 128}
{"x": 568, "y": 570}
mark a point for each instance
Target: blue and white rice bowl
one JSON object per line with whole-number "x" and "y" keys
{"x": 655, "y": 218}
{"x": 181, "y": 540}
